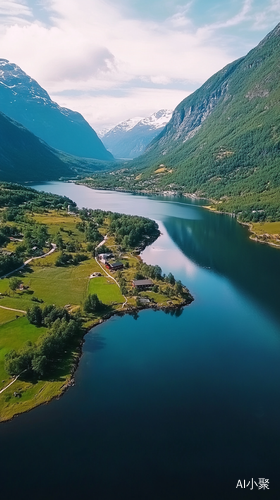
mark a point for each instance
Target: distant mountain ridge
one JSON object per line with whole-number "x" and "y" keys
{"x": 129, "y": 139}
{"x": 24, "y": 100}
{"x": 223, "y": 141}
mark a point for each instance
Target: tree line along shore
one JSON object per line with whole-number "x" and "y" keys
{"x": 47, "y": 305}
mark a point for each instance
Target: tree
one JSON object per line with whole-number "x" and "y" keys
{"x": 34, "y": 315}
{"x": 14, "y": 283}
{"x": 179, "y": 287}
{"x": 92, "y": 304}
{"x": 20, "y": 249}
{"x": 59, "y": 241}
{"x": 156, "y": 272}
{"x": 39, "y": 364}
{"x": 170, "y": 279}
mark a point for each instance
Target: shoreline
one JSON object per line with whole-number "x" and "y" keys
{"x": 71, "y": 382}
{"x": 253, "y": 236}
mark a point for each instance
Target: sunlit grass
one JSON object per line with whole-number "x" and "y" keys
{"x": 106, "y": 289}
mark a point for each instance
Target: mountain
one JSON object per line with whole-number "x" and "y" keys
{"x": 25, "y": 157}
{"x": 23, "y": 100}
{"x": 223, "y": 141}
{"x": 130, "y": 138}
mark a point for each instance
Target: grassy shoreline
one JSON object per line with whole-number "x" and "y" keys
{"x": 261, "y": 232}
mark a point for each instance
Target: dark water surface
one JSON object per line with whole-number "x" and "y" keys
{"x": 166, "y": 407}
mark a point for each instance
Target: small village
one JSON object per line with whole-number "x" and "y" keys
{"x": 140, "y": 284}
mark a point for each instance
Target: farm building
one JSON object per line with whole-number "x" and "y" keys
{"x": 114, "y": 266}
{"x": 142, "y": 284}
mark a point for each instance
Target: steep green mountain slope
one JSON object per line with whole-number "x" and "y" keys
{"x": 223, "y": 141}
{"x": 24, "y": 157}
{"x": 24, "y": 100}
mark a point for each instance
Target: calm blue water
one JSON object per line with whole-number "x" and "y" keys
{"x": 166, "y": 406}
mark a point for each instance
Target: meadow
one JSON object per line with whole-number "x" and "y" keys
{"x": 266, "y": 232}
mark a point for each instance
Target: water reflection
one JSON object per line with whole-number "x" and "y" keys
{"x": 94, "y": 343}
{"x": 218, "y": 243}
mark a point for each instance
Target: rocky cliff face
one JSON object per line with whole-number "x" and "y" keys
{"x": 194, "y": 110}
{"x": 24, "y": 100}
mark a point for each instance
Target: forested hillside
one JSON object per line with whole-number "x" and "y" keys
{"x": 24, "y": 157}
{"x": 223, "y": 141}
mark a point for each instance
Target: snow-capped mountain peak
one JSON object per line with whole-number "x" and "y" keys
{"x": 129, "y": 138}
{"x": 13, "y": 77}
{"x": 158, "y": 119}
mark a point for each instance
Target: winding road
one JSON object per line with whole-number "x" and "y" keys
{"x": 99, "y": 245}
{"x": 30, "y": 260}
{"x": 11, "y": 309}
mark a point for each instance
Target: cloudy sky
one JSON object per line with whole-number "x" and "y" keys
{"x": 117, "y": 59}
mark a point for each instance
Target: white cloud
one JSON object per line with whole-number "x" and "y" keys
{"x": 238, "y": 18}
{"x": 91, "y": 38}
{"x": 12, "y": 12}
{"x": 264, "y": 18}
{"x": 105, "y": 110}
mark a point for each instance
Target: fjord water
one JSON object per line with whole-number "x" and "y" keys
{"x": 166, "y": 406}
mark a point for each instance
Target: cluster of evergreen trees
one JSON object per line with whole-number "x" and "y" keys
{"x": 39, "y": 359}
{"x": 132, "y": 231}
{"x": 90, "y": 230}
{"x": 25, "y": 199}
{"x": 67, "y": 259}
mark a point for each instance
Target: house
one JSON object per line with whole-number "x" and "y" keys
{"x": 114, "y": 266}
{"x": 142, "y": 284}
{"x": 23, "y": 287}
{"x": 105, "y": 256}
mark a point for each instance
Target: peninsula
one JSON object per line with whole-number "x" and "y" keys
{"x": 63, "y": 271}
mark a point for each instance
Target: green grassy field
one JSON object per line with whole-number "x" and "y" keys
{"x": 13, "y": 335}
{"x": 7, "y": 316}
{"x": 54, "y": 285}
{"x": 107, "y": 290}
{"x": 62, "y": 223}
